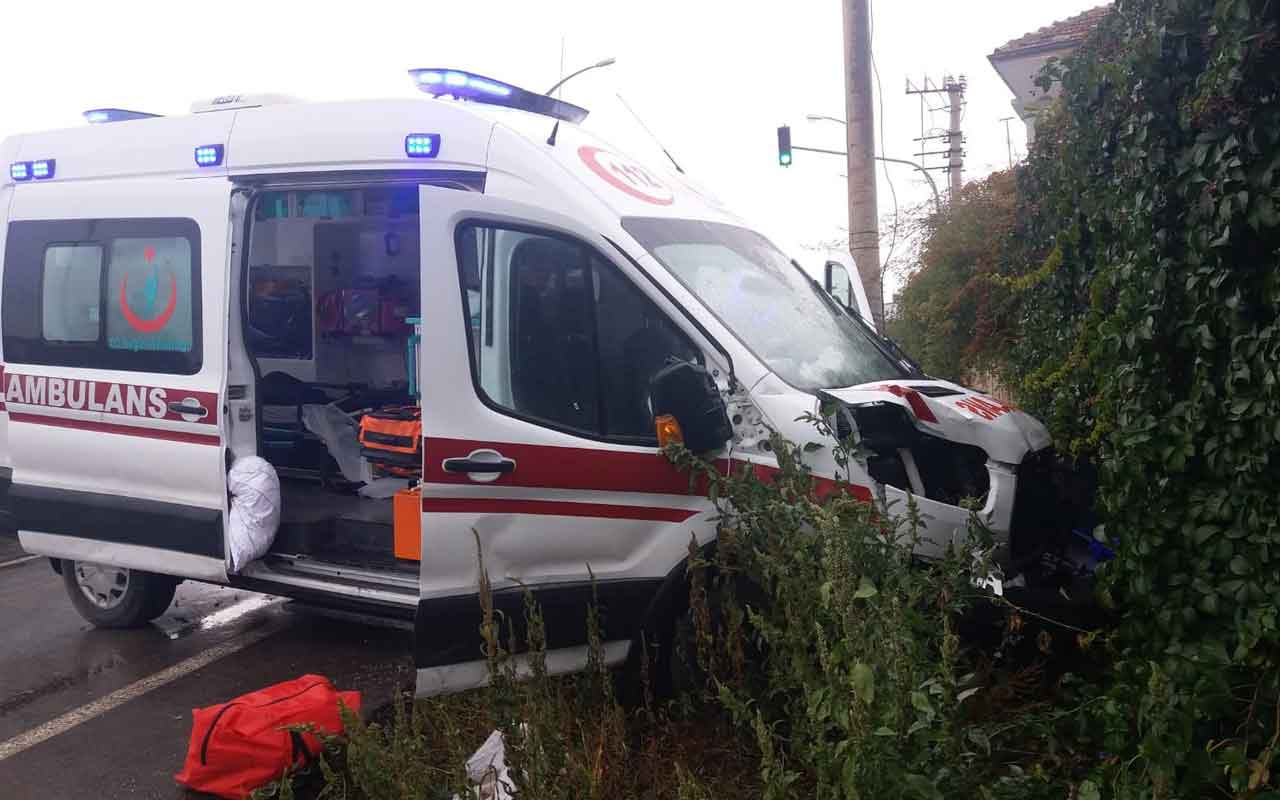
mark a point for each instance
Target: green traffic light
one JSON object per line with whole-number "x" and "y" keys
{"x": 784, "y": 145}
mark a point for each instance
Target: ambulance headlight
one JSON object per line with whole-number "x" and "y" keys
{"x": 422, "y": 145}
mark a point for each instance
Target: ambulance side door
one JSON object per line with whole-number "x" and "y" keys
{"x": 115, "y": 349}
{"x": 539, "y": 338}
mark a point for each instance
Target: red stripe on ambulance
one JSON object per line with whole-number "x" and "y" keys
{"x": 590, "y": 469}
{"x": 110, "y": 427}
{"x": 496, "y": 505}
{"x": 126, "y": 400}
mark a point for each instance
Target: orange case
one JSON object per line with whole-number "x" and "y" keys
{"x": 407, "y": 531}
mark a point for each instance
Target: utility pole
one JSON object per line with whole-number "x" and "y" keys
{"x": 1008, "y": 139}
{"x": 955, "y": 159}
{"x": 864, "y": 222}
{"x": 954, "y": 136}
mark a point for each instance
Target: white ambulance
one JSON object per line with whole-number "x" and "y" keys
{"x": 179, "y": 293}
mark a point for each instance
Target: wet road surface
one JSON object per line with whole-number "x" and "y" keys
{"x": 107, "y": 714}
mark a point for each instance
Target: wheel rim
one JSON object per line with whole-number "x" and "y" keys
{"x": 102, "y": 585}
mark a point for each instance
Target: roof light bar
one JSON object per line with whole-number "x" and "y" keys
{"x": 20, "y": 170}
{"x": 209, "y": 155}
{"x": 469, "y": 86}
{"x": 97, "y": 116}
{"x": 422, "y": 145}
{"x": 43, "y": 170}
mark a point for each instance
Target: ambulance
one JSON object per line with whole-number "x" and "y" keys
{"x": 536, "y": 311}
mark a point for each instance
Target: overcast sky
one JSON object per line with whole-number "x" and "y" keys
{"x": 712, "y": 79}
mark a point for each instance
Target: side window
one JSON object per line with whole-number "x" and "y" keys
{"x": 105, "y": 294}
{"x": 149, "y": 295}
{"x": 839, "y": 285}
{"x": 71, "y": 293}
{"x": 559, "y": 336}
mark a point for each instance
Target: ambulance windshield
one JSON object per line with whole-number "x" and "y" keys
{"x": 773, "y": 308}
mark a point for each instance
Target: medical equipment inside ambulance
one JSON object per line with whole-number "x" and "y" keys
{"x": 331, "y": 300}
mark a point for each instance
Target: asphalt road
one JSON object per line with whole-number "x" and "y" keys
{"x": 107, "y": 714}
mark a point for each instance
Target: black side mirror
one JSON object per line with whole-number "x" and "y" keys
{"x": 686, "y": 391}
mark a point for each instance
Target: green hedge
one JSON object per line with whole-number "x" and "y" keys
{"x": 1140, "y": 301}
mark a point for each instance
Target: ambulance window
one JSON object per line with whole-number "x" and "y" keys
{"x": 71, "y": 293}
{"x": 559, "y": 336}
{"x": 120, "y": 294}
{"x": 150, "y": 307}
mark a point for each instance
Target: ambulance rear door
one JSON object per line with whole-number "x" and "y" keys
{"x": 114, "y": 309}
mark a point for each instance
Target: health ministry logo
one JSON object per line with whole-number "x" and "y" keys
{"x": 149, "y": 321}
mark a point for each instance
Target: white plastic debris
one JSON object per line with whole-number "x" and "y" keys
{"x": 255, "y": 510}
{"x": 487, "y": 769}
{"x": 340, "y": 434}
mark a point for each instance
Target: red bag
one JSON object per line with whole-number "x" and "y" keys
{"x": 242, "y": 744}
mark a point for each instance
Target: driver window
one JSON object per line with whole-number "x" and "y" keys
{"x": 559, "y": 336}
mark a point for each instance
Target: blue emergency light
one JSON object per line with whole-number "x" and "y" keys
{"x": 27, "y": 170}
{"x": 463, "y": 85}
{"x": 97, "y": 116}
{"x": 422, "y": 145}
{"x": 209, "y": 155}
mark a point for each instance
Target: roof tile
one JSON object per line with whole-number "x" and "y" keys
{"x": 1061, "y": 33}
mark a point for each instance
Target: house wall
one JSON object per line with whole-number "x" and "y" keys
{"x": 1019, "y": 71}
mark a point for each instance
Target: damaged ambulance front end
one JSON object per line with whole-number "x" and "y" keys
{"x": 956, "y": 452}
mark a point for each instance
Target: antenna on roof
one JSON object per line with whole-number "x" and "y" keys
{"x": 651, "y": 136}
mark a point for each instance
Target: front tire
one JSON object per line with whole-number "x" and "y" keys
{"x": 115, "y": 597}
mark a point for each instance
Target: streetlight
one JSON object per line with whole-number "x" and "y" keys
{"x": 605, "y": 63}
{"x": 937, "y": 200}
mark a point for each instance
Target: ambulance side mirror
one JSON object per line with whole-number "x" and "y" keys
{"x": 685, "y": 392}
{"x": 835, "y": 280}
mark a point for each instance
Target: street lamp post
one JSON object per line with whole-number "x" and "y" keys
{"x": 605, "y": 63}
{"x": 937, "y": 199}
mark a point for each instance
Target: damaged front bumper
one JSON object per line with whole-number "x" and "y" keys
{"x": 956, "y": 453}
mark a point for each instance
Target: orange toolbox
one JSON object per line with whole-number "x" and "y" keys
{"x": 407, "y": 522}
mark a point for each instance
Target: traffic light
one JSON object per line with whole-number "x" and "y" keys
{"x": 784, "y": 145}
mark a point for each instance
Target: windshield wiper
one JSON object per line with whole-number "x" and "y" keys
{"x": 886, "y": 345}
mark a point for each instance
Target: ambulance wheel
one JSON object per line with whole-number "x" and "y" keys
{"x": 115, "y": 597}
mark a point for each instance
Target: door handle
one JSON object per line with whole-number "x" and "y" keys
{"x": 481, "y": 466}
{"x": 484, "y": 467}
{"x": 189, "y": 408}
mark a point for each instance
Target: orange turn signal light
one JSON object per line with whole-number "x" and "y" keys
{"x": 668, "y": 430}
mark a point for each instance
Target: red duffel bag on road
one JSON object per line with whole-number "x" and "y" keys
{"x": 240, "y": 745}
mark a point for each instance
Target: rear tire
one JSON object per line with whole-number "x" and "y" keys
{"x": 115, "y": 597}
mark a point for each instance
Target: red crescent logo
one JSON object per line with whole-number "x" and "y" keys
{"x": 148, "y": 325}
{"x": 626, "y": 175}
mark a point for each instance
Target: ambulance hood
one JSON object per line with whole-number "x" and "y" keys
{"x": 952, "y": 412}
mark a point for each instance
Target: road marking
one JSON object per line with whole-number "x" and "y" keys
{"x": 102, "y": 705}
{"x": 15, "y": 562}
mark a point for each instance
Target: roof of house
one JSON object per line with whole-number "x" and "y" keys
{"x": 1063, "y": 33}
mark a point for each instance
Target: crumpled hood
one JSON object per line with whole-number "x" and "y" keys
{"x": 957, "y": 414}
